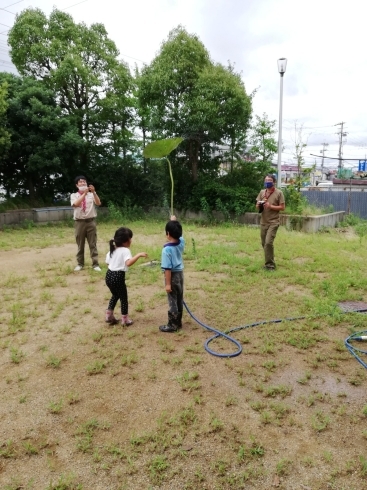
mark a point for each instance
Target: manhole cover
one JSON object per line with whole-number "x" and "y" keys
{"x": 353, "y": 306}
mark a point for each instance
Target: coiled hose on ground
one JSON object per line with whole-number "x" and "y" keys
{"x": 355, "y": 351}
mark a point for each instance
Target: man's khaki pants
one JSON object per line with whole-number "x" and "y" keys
{"x": 268, "y": 234}
{"x": 86, "y": 229}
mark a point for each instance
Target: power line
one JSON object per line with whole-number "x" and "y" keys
{"x": 4, "y": 8}
{"x": 19, "y": 1}
{"x": 75, "y": 4}
{"x": 132, "y": 57}
{"x": 8, "y": 11}
{"x": 337, "y": 158}
{"x": 311, "y": 127}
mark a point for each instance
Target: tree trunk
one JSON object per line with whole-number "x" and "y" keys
{"x": 194, "y": 148}
{"x": 84, "y": 159}
{"x": 31, "y": 188}
{"x": 196, "y": 161}
{"x": 144, "y": 143}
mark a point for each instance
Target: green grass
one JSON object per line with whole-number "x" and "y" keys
{"x": 174, "y": 416}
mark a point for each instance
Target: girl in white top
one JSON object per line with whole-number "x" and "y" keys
{"x": 119, "y": 259}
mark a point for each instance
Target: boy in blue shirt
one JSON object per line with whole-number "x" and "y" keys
{"x": 172, "y": 266}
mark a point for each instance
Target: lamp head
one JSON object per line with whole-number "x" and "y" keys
{"x": 282, "y": 66}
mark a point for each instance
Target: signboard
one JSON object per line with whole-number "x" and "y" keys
{"x": 362, "y": 164}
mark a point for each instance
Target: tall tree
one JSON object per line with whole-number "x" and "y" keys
{"x": 220, "y": 109}
{"x": 262, "y": 140}
{"x": 190, "y": 96}
{"x": 79, "y": 63}
{"x": 167, "y": 85}
{"x": 4, "y": 134}
{"x": 116, "y": 119}
{"x": 168, "y": 82}
{"x": 43, "y": 142}
{"x": 298, "y": 149}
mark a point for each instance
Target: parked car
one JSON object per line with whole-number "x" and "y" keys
{"x": 325, "y": 183}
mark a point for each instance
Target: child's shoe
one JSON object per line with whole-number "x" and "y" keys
{"x": 126, "y": 321}
{"x": 110, "y": 317}
{"x": 174, "y": 322}
{"x": 168, "y": 328}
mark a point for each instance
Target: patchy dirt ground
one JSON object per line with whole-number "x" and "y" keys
{"x": 87, "y": 406}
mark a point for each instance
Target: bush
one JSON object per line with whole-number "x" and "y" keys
{"x": 294, "y": 200}
{"x": 209, "y": 196}
{"x": 126, "y": 212}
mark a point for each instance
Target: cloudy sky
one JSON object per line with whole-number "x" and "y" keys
{"x": 323, "y": 40}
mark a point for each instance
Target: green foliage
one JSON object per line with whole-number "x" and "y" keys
{"x": 303, "y": 173}
{"x": 81, "y": 65}
{"x": 43, "y": 142}
{"x": 217, "y": 195}
{"x": 361, "y": 229}
{"x": 295, "y": 201}
{"x": 161, "y": 148}
{"x": 263, "y": 143}
{"x": 189, "y": 95}
{"x": 114, "y": 212}
{"x": 4, "y": 134}
{"x": 205, "y": 208}
{"x": 126, "y": 212}
{"x": 65, "y": 482}
{"x": 19, "y": 203}
{"x": 168, "y": 82}
{"x": 349, "y": 220}
{"x": 75, "y": 89}
{"x": 125, "y": 184}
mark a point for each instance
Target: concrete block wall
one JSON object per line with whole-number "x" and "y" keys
{"x": 308, "y": 224}
{"x": 40, "y": 215}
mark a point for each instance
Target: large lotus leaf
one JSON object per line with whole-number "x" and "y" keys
{"x": 161, "y": 148}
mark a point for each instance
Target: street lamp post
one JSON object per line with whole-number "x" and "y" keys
{"x": 282, "y": 65}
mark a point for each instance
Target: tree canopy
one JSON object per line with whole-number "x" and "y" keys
{"x": 4, "y": 134}
{"x": 43, "y": 142}
{"x": 77, "y": 108}
{"x": 81, "y": 65}
{"x": 192, "y": 97}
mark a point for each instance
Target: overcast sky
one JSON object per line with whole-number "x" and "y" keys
{"x": 323, "y": 40}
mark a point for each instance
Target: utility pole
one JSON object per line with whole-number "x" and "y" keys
{"x": 341, "y": 133}
{"x": 324, "y": 145}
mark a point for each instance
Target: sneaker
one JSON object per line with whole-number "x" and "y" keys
{"x": 168, "y": 328}
{"x": 110, "y": 317}
{"x": 97, "y": 268}
{"x": 126, "y": 321}
{"x": 78, "y": 268}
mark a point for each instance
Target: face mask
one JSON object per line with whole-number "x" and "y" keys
{"x": 83, "y": 188}
{"x": 269, "y": 185}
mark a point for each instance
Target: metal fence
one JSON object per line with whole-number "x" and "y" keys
{"x": 350, "y": 202}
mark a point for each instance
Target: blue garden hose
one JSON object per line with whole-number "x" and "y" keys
{"x": 357, "y": 336}
{"x": 355, "y": 351}
{"x": 218, "y": 333}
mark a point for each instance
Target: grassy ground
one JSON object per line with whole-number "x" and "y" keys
{"x": 86, "y": 406}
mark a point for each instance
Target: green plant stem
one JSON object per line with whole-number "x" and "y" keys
{"x": 172, "y": 184}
